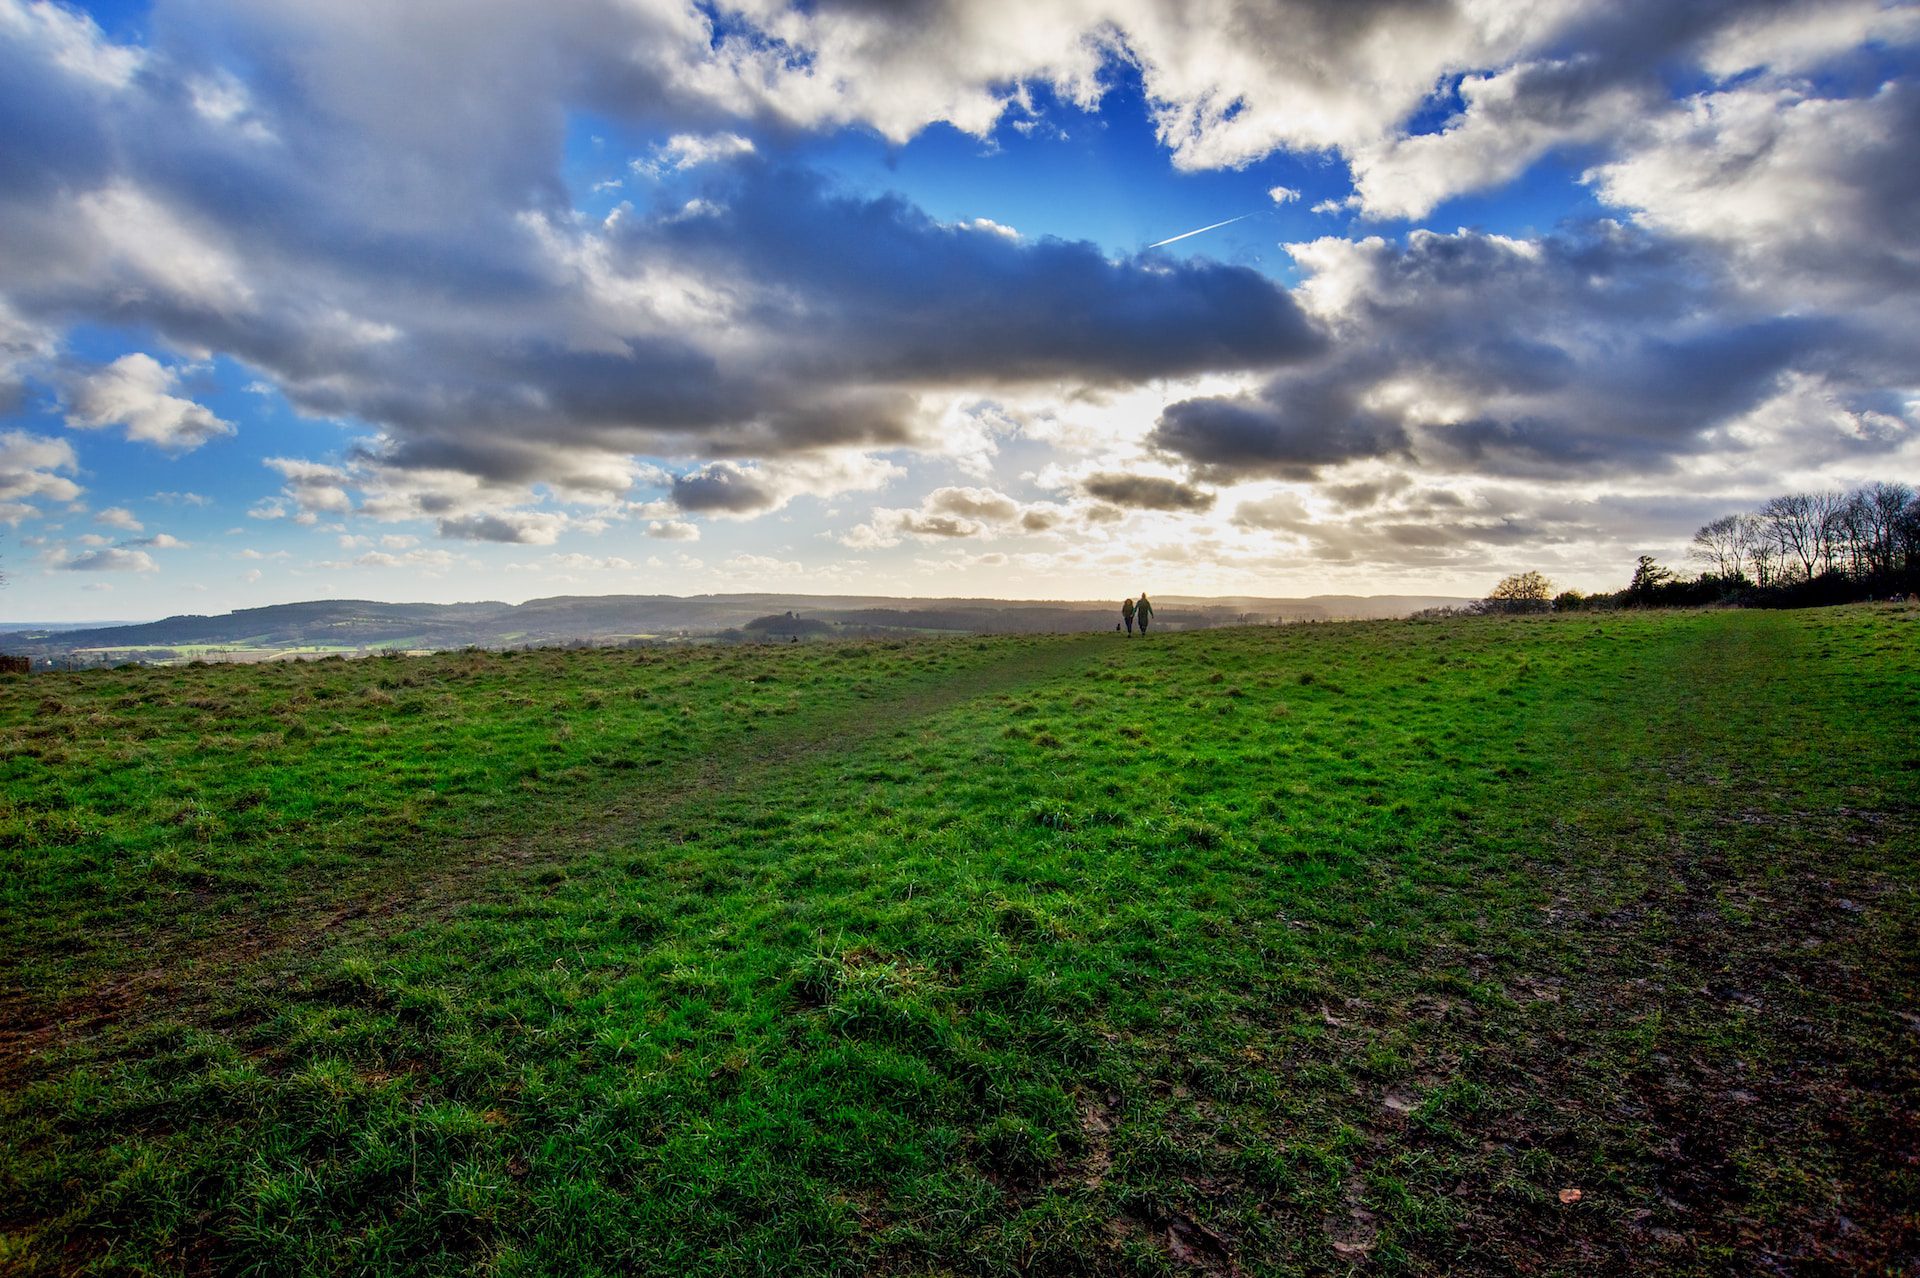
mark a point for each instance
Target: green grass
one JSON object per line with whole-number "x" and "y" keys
{"x": 1272, "y": 951}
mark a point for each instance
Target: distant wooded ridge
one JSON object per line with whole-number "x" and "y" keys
{"x": 358, "y": 624}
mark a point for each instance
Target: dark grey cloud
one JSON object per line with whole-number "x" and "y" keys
{"x": 1147, "y": 492}
{"x": 1595, "y": 352}
{"x": 1494, "y": 528}
{"x": 1360, "y": 495}
{"x": 886, "y": 293}
{"x": 513, "y": 528}
{"x": 723, "y": 487}
{"x": 974, "y": 503}
{"x": 1288, "y": 430}
{"x": 916, "y": 524}
{"x": 424, "y": 271}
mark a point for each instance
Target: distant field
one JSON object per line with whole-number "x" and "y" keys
{"x": 1563, "y": 945}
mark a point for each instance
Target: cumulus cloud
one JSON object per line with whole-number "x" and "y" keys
{"x": 1146, "y": 492}
{"x": 132, "y": 393}
{"x": 1594, "y": 353}
{"x": 724, "y": 488}
{"x": 23, "y": 346}
{"x": 984, "y": 504}
{"x": 118, "y": 517}
{"x": 313, "y": 488}
{"x": 1475, "y": 529}
{"x": 30, "y": 471}
{"x": 1229, "y": 81}
{"x": 517, "y": 527}
{"x": 673, "y": 530}
{"x": 689, "y": 150}
{"x": 111, "y": 559}
{"x": 952, "y": 512}
{"x": 1507, "y": 121}
{"x": 428, "y": 562}
{"x": 1816, "y": 195}
{"x": 738, "y": 490}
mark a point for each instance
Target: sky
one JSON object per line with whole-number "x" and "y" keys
{"x": 475, "y": 299}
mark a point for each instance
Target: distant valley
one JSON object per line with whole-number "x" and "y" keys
{"x": 358, "y": 627}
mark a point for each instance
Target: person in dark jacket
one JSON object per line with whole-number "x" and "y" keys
{"x": 1143, "y": 612}
{"x": 1126, "y": 615}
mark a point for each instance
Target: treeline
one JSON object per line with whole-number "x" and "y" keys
{"x": 1795, "y": 551}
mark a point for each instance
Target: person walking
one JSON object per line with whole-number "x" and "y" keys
{"x": 1126, "y": 615}
{"x": 1143, "y": 612}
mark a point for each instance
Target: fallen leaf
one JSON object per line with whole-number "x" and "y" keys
{"x": 1569, "y": 1195}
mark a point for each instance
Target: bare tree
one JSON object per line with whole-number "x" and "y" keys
{"x": 1828, "y": 512}
{"x": 1854, "y": 535}
{"x": 1762, "y": 551}
{"x": 1880, "y": 510}
{"x": 1795, "y": 529}
{"x": 1723, "y": 544}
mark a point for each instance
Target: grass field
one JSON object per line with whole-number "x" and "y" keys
{"x": 1330, "y": 949}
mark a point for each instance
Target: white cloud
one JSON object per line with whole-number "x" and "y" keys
{"x": 1228, "y": 81}
{"x": 111, "y": 559}
{"x": 139, "y": 243}
{"x": 427, "y": 562}
{"x": 1282, "y": 194}
{"x": 1790, "y": 39}
{"x": 313, "y": 488}
{"x": 29, "y": 466}
{"x": 1808, "y": 191}
{"x": 746, "y": 490}
{"x": 673, "y": 530}
{"x": 992, "y": 227}
{"x": 517, "y": 527}
{"x": 761, "y": 569}
{"x": 690, "y": 150}
{"x": 72, "y": 41}
{"x": 951, "y": 513}
{"x": 1509, "y": 120}
{"x": 118, "y": 517}
{"x": 131, "y": 392}
{"x": 586, "y": 563}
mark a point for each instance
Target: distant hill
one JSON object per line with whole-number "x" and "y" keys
{"x": 358, "y": 625}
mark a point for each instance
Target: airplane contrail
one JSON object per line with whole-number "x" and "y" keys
{"x": 1185, "y": 234}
